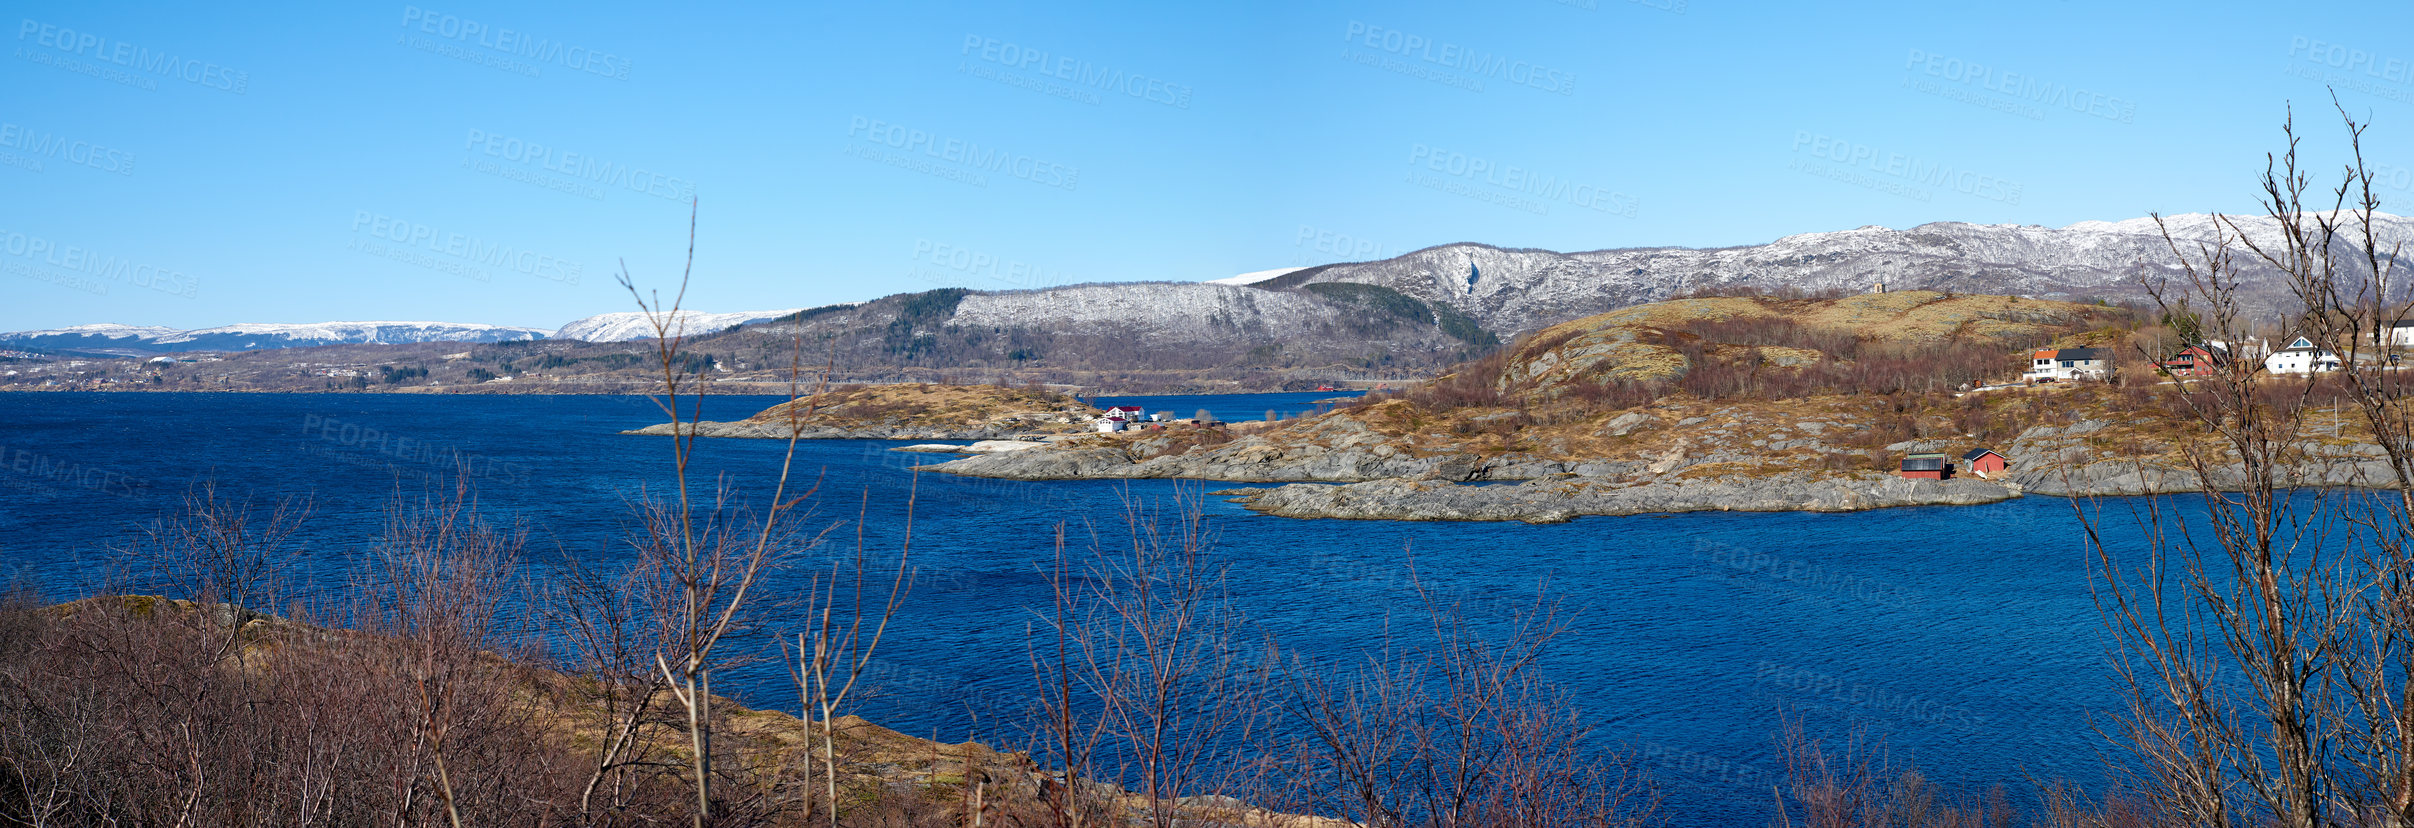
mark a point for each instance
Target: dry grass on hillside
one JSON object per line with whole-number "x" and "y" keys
{"x": 930, "y": 404}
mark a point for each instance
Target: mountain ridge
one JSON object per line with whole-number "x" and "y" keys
{"x": 1417, "y": 310}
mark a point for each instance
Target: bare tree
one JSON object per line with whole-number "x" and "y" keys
{"x": 701, "y": 557}
{"x": 1456, "y": 732}
{"x": 2266, "y": 640}
{"x": 844, "y": 627}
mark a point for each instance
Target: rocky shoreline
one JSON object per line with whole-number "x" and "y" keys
{"x": 1348, "y": 472}
{"x": 760, "y": 430}
{"x": 1560, "y": 500}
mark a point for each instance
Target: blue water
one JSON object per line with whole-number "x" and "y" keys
{"x": 1964, "y": 636}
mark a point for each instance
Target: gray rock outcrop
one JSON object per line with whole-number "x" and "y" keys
{"x": 1552, "y": 501}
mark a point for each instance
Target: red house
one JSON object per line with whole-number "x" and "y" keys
{"x": 1926, "y": 467}
{"x": 1984, "y": 462}
{"x": 2195, "y": 361}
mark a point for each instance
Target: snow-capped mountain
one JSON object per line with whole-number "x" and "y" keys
{"x": 255, "y": 336}
{"x": 1463, "y": 293}
{"x": 627, "y": 325}
{"x": 1516, "y": 290}
{"x": 1175, "y": 312}
{"x": 1255, "y": 277}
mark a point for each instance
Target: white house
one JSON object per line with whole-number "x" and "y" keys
{"x": 2300, "y": 357}
{"x": 1118, "y": 418}
{"x": 2399, "y": 333}
{"x": 2066, "y": 364}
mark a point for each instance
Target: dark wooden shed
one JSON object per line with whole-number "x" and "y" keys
{"x": 1926, "y": 467}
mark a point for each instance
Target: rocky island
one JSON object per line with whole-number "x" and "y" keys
{"x": 906, "y": 411}
{"x": 1723, "y": 403}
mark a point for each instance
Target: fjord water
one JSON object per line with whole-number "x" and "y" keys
{"x": 1965, "y": 637}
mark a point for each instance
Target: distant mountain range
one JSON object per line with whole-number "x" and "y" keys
{"x": 628, "y": 325}
{"x": 1420, "y": 308}
{"x": 130, "y": 339}
{"x": 134, "y": 339}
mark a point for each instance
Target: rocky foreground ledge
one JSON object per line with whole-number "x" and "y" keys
{"x": 1559, "y": 500}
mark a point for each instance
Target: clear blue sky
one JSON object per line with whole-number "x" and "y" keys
{"x": 182, "y": 165}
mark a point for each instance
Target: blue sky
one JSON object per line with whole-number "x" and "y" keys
{"x": 166, "y": 164}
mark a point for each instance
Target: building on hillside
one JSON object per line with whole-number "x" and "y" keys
{"x": 1129, "y": 413}
{"x": 1984, "y": 462}
{"x": 2196, "y": 361}
{"x": 2301, "y": 357}
{"x": 1926, "y": 467}
{"x": 2399, "y": 333}
{"x": 1110, "y": 424}
{"x": 2067, "y": 364}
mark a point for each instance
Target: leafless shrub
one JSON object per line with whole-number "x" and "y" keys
{"x": 1860, "y": 784}
{"x": 1147, "y": 678}
{"x": 1455, "y": 732}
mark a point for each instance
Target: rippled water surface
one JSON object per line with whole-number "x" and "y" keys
{"x": 1963, "y": 635}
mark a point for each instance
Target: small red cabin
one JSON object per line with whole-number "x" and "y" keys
{"x": 1985, "y": 462}
{"x": 1926, "y": 467}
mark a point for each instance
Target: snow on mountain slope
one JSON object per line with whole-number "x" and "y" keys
{"x": 1199, "y": 310}
{"x": 361, "y": 332}
{"x": 139, "y": 333}
{"x": 1516, "y": 290}
{"x": 1255, "y": 277}
{"x": 251, "y": 336}
{"x": 627, "y": 325}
